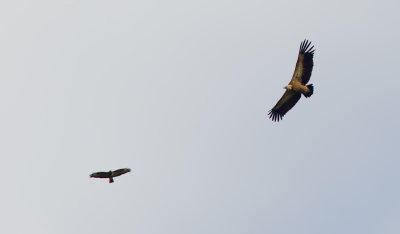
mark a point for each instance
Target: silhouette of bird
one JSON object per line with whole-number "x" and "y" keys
{"x": 298, "y": 84}
{"x": 110, "y": 174}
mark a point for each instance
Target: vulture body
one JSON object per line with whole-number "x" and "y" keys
{"x": 298, "y": 84}
{"x": 111, "y": 174}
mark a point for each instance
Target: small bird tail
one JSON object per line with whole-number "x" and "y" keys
{"x": 111, "y": 180}
{"x": 311, "y": 88}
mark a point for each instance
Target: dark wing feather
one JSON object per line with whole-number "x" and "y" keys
{"x": 100, "y": 175}
{"x": 287, "y": 101}
{"x": 120, "y": 172}
{"x": 304, "y": 64}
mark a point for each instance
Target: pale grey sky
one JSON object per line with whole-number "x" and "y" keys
{"x": 179, "y": 92}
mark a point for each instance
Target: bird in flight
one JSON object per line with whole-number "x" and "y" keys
{"x": 298, "y": 84}
{"x": 110, "y": 174}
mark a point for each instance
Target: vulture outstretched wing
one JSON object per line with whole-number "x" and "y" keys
{"x": 304, "y": 65}
{"x": 120, "y": 172}
{"x": 100, "y": 175}
{"x": 287, "y": 101}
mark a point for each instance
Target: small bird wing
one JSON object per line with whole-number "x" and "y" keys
{"x": 287, "y": 101}
{"x": 100, "y": 175}
{"x": 304, "y": 65}
{"x": 120, "y": 172}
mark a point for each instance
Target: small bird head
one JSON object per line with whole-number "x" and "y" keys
{"x": 288, "y": 87}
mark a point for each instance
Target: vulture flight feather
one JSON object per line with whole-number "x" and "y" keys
{"x": 298, "y": 84}
{"x": 110, "y": 174}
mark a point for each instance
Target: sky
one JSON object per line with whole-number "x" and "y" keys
{"x": 179, "y": 92}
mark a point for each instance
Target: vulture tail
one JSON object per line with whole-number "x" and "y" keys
{"x": 111, "y": 180}
{"x": 311, "y": 88}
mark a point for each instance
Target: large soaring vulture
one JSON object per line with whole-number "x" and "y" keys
{"x": 297, "y": 85}
{"x": 110, "y": 174}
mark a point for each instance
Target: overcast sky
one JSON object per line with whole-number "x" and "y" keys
{"x": 179, "y": 92}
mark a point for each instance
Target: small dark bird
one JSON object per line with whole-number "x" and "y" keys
{"x": 297, "y": 85}
{"x": 110, "y": 174}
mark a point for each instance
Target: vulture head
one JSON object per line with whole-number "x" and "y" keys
{"x": 288, "y": 87}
